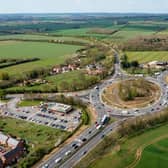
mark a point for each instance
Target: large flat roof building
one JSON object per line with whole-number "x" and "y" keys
{"x": 58, "y": 107}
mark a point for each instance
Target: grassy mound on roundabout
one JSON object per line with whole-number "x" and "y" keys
{"x": 131, "y": 93}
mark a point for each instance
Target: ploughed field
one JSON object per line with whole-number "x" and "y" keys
{"x": 49, "y": 54}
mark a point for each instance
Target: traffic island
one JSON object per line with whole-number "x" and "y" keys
{"x": 131, "y": 93}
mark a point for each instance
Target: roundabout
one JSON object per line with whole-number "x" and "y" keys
{"x": 131, "y": 93}
{"x": 155, "y": 100}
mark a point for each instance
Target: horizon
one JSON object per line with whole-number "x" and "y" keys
{"x": 145, "y": 13}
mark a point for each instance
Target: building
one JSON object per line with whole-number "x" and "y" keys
{"x": 62, "y": 69}
{"x": 10, "y": 150}
{"x": 57, "y": 107}
{"x": 155, "y": 64}
{"x": 94, "y": 69}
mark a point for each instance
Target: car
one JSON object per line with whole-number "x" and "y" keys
{"x": 45, "y": 166}
{"x": 73, "y": 144}
{"x": 84, "y": 152}
{"x": 96, "y": 87}
{"x": 102, "y": 136}
{"x": 76, "y": 146}
{"x": 90, "y": 132}
{"x": 98, "y": 126}
{"x": 68, "y": 153}
{"x": 58, "y": 160}
{"x": 84, "y": 139}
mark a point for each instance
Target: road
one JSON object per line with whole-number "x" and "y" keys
{"x": 72, "y": 153}
{"x": 89, "y": 146}
{"x": 89, "y": 134}
{"x": 102, "y": 109}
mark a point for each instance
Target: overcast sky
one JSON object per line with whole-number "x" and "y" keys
{"x": 60, "y": 6}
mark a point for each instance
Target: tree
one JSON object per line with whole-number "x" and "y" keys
{"x": 2, "y": 94}
{"x": 4, "y": 76}
{"x": 135, "y": 64}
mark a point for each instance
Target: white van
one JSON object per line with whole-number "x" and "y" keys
{"x": 58, "y": 160}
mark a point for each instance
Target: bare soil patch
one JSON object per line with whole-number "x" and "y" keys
{"x": 111, "y": 97}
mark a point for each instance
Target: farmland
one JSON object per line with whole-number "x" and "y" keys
{"x": 40, "y": 37}
{"x": 124, "y": 155}
{"x": 49, "y": 54}
{"x": 88, "y": 32}
{"x": 124, "y": 32}
{"x": 133, "y": 30}
{"x": 152, "y": 152}
{"x": 147, "y": 56}
{"x": 62, "y": 53}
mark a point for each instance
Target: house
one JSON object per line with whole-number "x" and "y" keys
{"x": 63, "y": 69}
{"x": 94, "y": 69}
{"x": 33, "y": 82}
{"x": 11, "y": 150}
{"x": 57, "y": 70}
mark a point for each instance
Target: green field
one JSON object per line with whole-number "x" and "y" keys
{"x": 38, "y": 138}
{"x": 134, "y": 30}
{"x": 147, "y": 56}
{"x": 126, "y": 155}
{"x": 40, "y": 37}
{"x": 75, "y": 80}
{"x": 86, "y": 32}
{"x": 72, "y": 32}
{"x": 155, "y": 155}
{"x": 126, "y": 32}
{"x": 26, "y": 103}
{"x": 49, "y": 54}
{"x": 125, "y": 35}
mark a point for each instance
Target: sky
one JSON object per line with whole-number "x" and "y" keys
{"x": 64, "y": 6}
